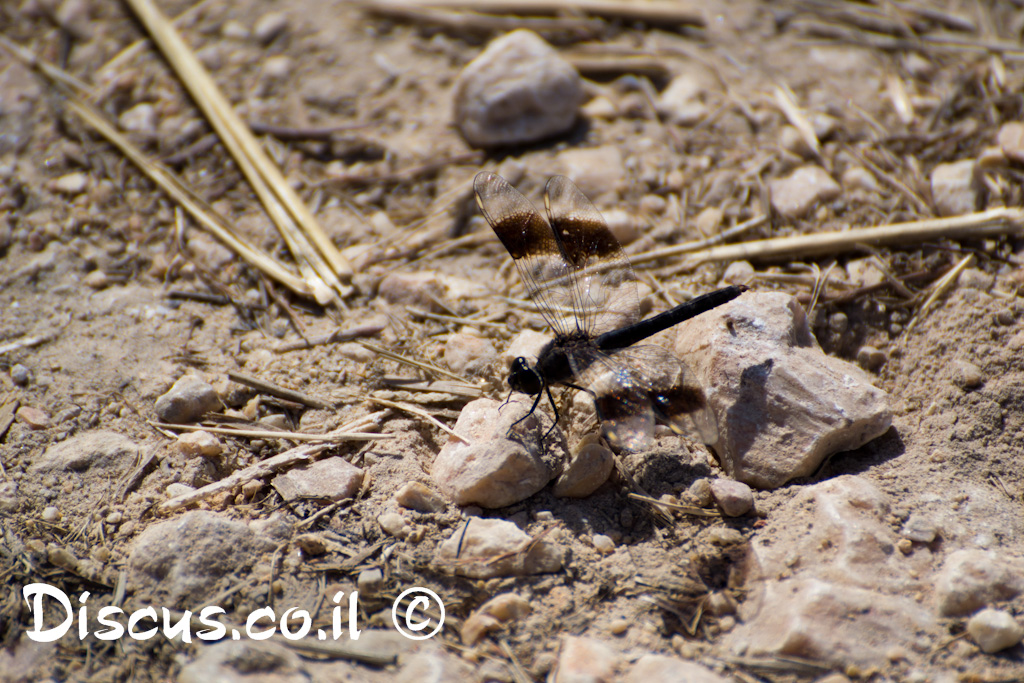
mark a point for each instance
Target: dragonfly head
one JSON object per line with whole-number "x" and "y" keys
{"x": 522, "y": 377}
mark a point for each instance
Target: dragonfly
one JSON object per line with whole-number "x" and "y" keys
{"x": 585, "y": 288}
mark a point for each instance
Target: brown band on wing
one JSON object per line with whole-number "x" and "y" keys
{"x": 525, "y": 235}
{"x": 585, "y": 239}
{"x": 679, "y": 401}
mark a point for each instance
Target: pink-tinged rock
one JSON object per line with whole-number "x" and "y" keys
{"x": 332, "y": 478}
{"x": 586, "y": 660}
{"x": 485, "y": 548}
{"x": 235, "y": 661}
{"x": 1011, "y": 141}
{"x": 953, "y": 188}
{"x": 518, "y": 90}
{"x": 836, "y": 624}
{"x": 34, "y": 418}
{"x": 664, "y": 669}
{"x": 416, "y": 496}
{"x": 972, "y": 579}
{"x": 734, "y": 497}
{"x": 585, "y": 473}
{"x": 799, "y": 192}
{"x": 782, "y": 405}
{"x": 492, "y": 470}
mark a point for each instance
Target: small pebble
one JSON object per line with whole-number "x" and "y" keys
{"x": 838, "y": 322}
{"x": 34, "y": 418}
{"x": 141, "y": 118}
{"x": 725, "y": 536}
{"x": 269, "y": 26}
{"x": 859, "y": 178}
{"x": 1011, "y": 140}
{"x": 734, "y": 497}
{"x": 370, "y": 581}
{"x": 920, "y": 529}
{"x": 394, "y": 524}
{"x": 700, "y": 492}
{"x": 178, "y": 489}
{"x": 799, "y": 192}
{"x": 953, "y": 189}
{"x": 967, "y": 375}
{"x": 234, "y": 30}
{"x": 278, "y": 67}
{"x": 738, "y": 273}
{"x": 20, "y": 375}
{"x": 618, "y": 626}
{"x": 994, "y": 630}
{"x": 604, "y": 544}
{"x": 416, "y": 496}
{"x": 51, "y": 514}
{"x": 709, "y": 222}
{"x": 114, "y": 518}
{"x": 188, "y": 399}
{"x": 72, "y": 183}
{"x": 870, "y": 358}
{"x": 201, "y": 443}
{"x": 96, "y": 279}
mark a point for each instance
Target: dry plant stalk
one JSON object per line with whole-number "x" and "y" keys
{"x": 655, "y": 12}
{"x": 319, "y": 259}
{"x": 973, "y": 225}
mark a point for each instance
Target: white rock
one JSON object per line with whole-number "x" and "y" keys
{"x": 654, "y": 668}
{"x": 588, "y": 469}
{"x": 139, "y": 119}
{"x": 953, "y": 189}
{"x": 370, "y": 581}
{"x": 518, "y": 90}
{"x": 1011, "y": 140}
{"x": 734, "y": 497}
{"x": 491, "y": 615}
{"x": 859, "y": 178}
{"x": 394, "y": 524}
{"x": 70, "y": 183}
{"x": 416, "y": 496}
{"x": 494, "y": 471}
{"x": 971, "y": 579}
{"x": 994, "y": 630}
{"x": 270, "y": 26}
{"x": 796, "y": 194}
{"x": 604, "y": 544}
{"x": 332, "y": 478}
{"x": 474, "y": 551}
{"x": 682, "y": 101}
{"x": 201, "y": 443}
{"x": 782, "y": 405}
{"x": 527, "y": 343}
{"x": 586, "y": 659}
{"x": 103, "y": 451}
{"x": 595, "y": 170}
{"x": 178, "y": 489}
{"x": 836, "y": 624}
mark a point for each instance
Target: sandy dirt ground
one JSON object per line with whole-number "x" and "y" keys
{"x": 108, "y": 295}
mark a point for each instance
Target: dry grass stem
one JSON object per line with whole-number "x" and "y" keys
{"x": 391, "y": 355}
{"x": 940, "y": 288}
{"x": 973, "y": 225}
{"x": 318, "y": 258}
{"x": 265, "y": 468}
{"x": 655, "y": 12}
{"x": 787, "y": 103}
{"x": 412, "y": 410}
{"x": 472, "y": 22}
{"x": 334, "y": 436}
{"x": 667, "y": 252}
{"x": 685, "y": 509}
